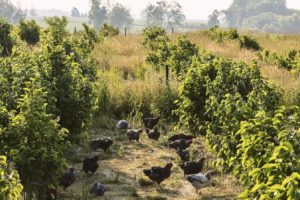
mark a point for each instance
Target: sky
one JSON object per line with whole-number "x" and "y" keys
{"x": 193, "y": 9}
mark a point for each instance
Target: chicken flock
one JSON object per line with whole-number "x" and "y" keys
{"x": 192, "y": 170}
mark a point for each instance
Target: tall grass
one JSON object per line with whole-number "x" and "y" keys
{"x": 128, "y": 87}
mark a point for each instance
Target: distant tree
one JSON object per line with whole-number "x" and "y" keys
{"x": 10, "y": 12}
{"x": 75, "y": 12}
{"x": 120, "y": 16}
{"x": 175, "y": 15}
{"x": 155, "y": 14}
{"x": 164, "y": 14}
{"x": 240, "y": 10}
{"x": 6, "y": 41}
{"x": 213, "y": 19}
{"x": 97, "y": 14}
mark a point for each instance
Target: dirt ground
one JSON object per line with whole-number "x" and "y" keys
{"x": 121, "y": 171}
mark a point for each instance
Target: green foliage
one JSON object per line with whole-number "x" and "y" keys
{"x": 37, "y": 149}
{"x": 158, "y": 44}
{"x": 10, "y": 187}
{"x": 150, "y": 36}
{"x": 248, "y": 42}
{"x": 220, "y": 35}
{"x": 71, "y": 77}
{"x": 182, "y": 52}
{"x": 108, "y": 31}
{"x": 89, "y": 34}
{"x": 6, "y": 41}
{"x": 29, "y": 32}
{"x": 48, "y": 98}
{"x": 217, "y": 89}
{"x": 291, "y": 61}
{"x": 274, "y": 174}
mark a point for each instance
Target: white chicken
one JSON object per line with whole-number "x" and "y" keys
{"x": 200, "y": 180}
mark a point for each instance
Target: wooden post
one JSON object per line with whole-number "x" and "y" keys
{"x": 167, "y": 74}
{"x": 125, "y": 31}
{"x": 173, "y": 30}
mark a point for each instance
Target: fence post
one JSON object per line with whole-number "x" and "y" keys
{"x": 125, "y": 31}
{"x": 173, "y": 30}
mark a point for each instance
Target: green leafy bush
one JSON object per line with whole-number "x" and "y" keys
{"x": 248, "y": 42}
{"x": 71, "y": 77}
{"x": 6, "y": 41}
{"x": 158, "y": 44}
{"x": 220, "y": 35}
{"x": 182, "y": 52}
{"x": 108, "y": 31}
{"x": 36, "y": 142}
{"x": 29, "y": 31}
{"x": 10, "y": 186}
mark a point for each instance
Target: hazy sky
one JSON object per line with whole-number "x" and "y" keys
{"x": 194, "y": 9}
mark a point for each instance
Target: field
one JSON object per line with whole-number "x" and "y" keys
{"x": 238, "y": 102}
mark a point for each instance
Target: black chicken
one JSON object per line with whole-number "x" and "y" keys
{"x": 153, "y": 134}
{"x": 159, "y": 174}
{"x": 90, "y": 164}
{"x": 193, "y": 167}
{"x": 181, "y": 144}
{"x": 98, "y": 189}
{"x": 184, "y": 154}
{"x": 134, "y": 134}
{"x": 103, "y": 143}
{"x": 180, "y": 136}
{"x": 150, "y": 122}
{"x": 67, "y": 178}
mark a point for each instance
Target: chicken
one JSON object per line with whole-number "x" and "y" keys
{"x": 181, "y": 144}
{"x": 90, "y": 164}
{"x": 180, "y": 136}
{"x": 150, "y": 122}
{"x": 103, "y": 143}
{"x": 67, "y": 178}
{"x": 153, "y": 134}
{"x": 193, "y": 167}
{"x": 184, "y": 154}
{"x": 134, "y": 134}
{"x": 123, "y": 124}
{"x": 98, "y": 189}
{"x": 159, "y": 174}
{"x": 200, "y": 180}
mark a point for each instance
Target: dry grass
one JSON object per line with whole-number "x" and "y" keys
{"x": 122, "y": 172}
{"x": 126, "y": 55}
